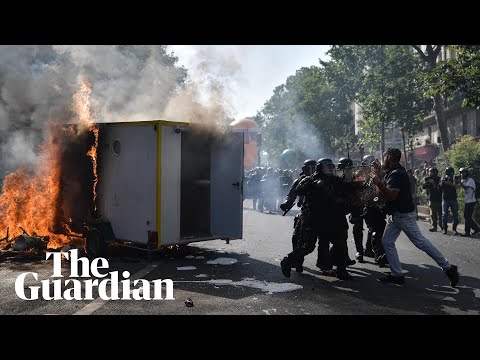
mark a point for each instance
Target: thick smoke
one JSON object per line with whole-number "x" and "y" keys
{"x": 37, "y": 84}
{"x": 207, "y": 98}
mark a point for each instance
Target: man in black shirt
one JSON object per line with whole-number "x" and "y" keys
{"x": 395, "y": 187}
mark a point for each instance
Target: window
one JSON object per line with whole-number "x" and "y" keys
{"x": 116, "y": 147}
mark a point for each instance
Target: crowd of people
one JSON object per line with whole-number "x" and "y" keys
{"x": 442, "y": 197}
{"x": 379, "y": 195}
{"x": 267, "y": 187}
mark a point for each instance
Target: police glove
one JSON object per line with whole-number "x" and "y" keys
{"x": 284, "y": 206}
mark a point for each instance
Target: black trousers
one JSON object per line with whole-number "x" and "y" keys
{"x": 312, "y": 228}
{"x": 375, "y": 220}
{"x": 469, "y": 223}
{"x": 356, "y": 220}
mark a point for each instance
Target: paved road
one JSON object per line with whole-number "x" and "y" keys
{"x": 244, "y": 277}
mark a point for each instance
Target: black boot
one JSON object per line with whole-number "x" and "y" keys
{"x": 286, "y": 268}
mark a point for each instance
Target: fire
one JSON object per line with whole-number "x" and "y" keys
{"x": 82, "y": 107}
{"x": 31, "y": 200}
{"x": 93, "y": 154}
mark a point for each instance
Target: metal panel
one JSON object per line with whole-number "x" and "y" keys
{"x": 227, "y": 187}
{"x": 127, "y": 181}
{"x": 170, "y": 192}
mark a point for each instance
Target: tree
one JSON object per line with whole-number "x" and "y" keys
{"x": 459, "y": 76}
{"x": 465, "y": 154}
{"x": 429, "y": 56}
{"x": 307, "y": 114}
{"x": 383, "y": 79}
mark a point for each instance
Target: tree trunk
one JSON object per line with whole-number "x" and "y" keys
{"x": 441, "y": 122}
{"x": 382, "y": 139}
{"x": 405, "y": 157}
{"x": 412, "y": 160}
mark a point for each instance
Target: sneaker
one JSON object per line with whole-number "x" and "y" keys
{"x": 350, "y": 262}
{"x": 299, "y": 269}
{"x": 433, "y": 229}
{"x": 359, "y": 258}
{"x": 465, "y": 235}
{"x": 286, "y": 269}
{"x": 445, "y": 231}
{"x": 455, "y": 232}
{"x": 397, "y": 280}
{"x": 344, "y": 275}
{"x": 452, "y": 275}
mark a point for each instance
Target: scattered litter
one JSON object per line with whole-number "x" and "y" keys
{"x": 189, "y": 303}
{"x": 222, "y": 261}
{"x": 24, "y": 242}
{"x": 186, "y": 268}
{"x": 268, "y": 287}
{"x": 268, "y": 311}
{"x": 200, "y": 276}
{"x": 220, "y": 281}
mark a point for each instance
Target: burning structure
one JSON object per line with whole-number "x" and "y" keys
{"x": 154, "y": 183}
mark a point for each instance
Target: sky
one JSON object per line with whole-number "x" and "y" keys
{"x": 247, "y": 74}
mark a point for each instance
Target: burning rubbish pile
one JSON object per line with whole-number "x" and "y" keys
{"x": 46, "y": 207}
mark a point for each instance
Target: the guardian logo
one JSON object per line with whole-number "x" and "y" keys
{"x": 59, "y": 291}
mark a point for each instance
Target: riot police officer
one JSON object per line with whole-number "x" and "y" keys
{"x": 308, "y": 169}
{"x": 355, "y": 217}
{"x": 374, "y": 216}
{"x": 324, "y": 210}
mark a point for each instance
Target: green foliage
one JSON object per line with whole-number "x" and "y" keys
{"x": 458, "y": 77}
{"x": 465, "y": 154}
{"x": 383, "y": 78}
{"x": 307, "y": 114}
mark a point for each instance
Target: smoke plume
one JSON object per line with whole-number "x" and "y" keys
{"x": 207, "y": 98}
{"x": 37, "y": 84}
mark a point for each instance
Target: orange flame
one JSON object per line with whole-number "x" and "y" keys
{"x": 93, "y": 154}
{"x": 82, "y": 108}
{"x": 29, "y": 201}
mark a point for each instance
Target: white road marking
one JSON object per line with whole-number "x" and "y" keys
{"x": 99, "y": 302}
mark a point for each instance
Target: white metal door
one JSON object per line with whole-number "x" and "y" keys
{"x": 227, "y": 187}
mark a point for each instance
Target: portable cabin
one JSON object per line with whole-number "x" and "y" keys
{"x": 164, "y": 183}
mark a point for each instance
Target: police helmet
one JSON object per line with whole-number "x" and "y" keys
{"x": 344, "y": 162}
{"x": 324, "y": 163}
{"x": 463, "y": 170}
{"x": 368, "y": 160}
{"x": 449, "y": 171}
{"x": 308, "y": 167}
{"x": 433, "y": 169}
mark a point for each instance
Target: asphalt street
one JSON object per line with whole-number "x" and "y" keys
{"x": 244, "y": 277}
